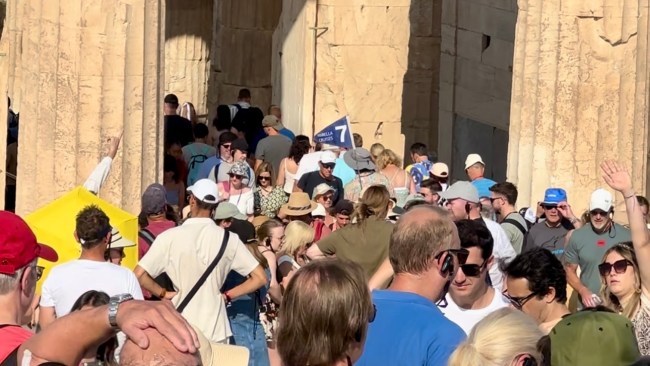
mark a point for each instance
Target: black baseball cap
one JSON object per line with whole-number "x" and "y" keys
{"x": 343, "y": 205}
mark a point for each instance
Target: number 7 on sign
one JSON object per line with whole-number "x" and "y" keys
{"x": 343, "y": 130}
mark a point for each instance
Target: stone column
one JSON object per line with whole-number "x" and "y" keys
{"x": 188, "y": 37}
{"x": 579, "y": 95}
{"x": 90, "y": 69}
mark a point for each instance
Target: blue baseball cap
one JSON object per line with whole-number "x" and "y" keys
{"x": 483, "y": 186}
{"x": 553, "y": 196}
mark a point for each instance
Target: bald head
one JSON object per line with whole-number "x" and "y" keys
{"x": 419, "y": 236}
{"x": 161, "y": 352}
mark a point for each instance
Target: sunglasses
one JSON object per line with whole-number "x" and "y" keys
{"x": 329, "y": 166}
{"x": 619, "y": 267}
{"x": 39, "y": 272}
{"x": 495, "y": 198}
{"x": 447, "y": 267}
{"x": 518, "y": 302}
{"x": 373, "y": 314}
{"x": 227, "y": 146}
{"x": 598, "y": 213}
{"x": 328, "y": 197}
{"x": 261, "y": 177}
{"x": 235, "y": 176}
{"x": 549, "y": 207}
{"x": 472, "y": 270}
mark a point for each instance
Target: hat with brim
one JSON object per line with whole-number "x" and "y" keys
{"x": 299, "y": 204}
{"x": 463, "y": 190}
{"x": 359, "y": 159}
{"x": 118, "y": 241}
{"x": 213, "y": 354}
{"x": 227, "y": 210}
{"x": 593, "y": 337}
{"x": 319, "y": 211}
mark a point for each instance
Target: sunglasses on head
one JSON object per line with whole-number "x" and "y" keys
{"x": 619, "y": 266}
{"x": 231, "y": 175}
{"x": 518, "y": 302}
{"x": 329, "y": 165}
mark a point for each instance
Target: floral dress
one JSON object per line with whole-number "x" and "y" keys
{"x": 641, "y": 323}
{"x": 269, "y": 204}
{"x": 355, "y": 189}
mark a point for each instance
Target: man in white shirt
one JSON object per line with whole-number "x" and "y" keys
{"x": 470, "y": 296}
{"x": 462, "y": 201}
{"x": 185, "y": 253}
{"x": 68, "y": 281}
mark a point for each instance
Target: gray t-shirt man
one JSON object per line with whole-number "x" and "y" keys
{"x": 515, "y": 233}
{"x": 586, "y": 248}
{"x": 547, "y": 237}
{"x": 273, "y": 149}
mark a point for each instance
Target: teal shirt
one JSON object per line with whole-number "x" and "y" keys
{"x": 586, "y": 249}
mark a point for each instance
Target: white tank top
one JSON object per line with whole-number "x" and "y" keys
{"x": 289, "y": 179}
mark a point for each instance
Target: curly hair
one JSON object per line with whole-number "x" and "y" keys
{"x": 542, "y": 270}
{"x": 92, "y": 226}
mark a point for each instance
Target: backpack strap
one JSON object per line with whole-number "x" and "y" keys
{"x": 205, "y": 274}
{"x": 516, "y": 224}
{"x": 147, "y": 236}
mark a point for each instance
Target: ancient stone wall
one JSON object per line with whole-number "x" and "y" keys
{"x": 475, "y": 79}
{"x": 188, "y": 38}
{"x": 293, "y": 64}
{"x": 89, "y": 71}
{"x": 580, "y": 95}
{"x": 241, "y": 50}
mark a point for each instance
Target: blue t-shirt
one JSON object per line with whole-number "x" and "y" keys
{"x": 343, "y": 171}
{"x": 483, "y": 186}
{"x": 408, "y": 330}
{"x": 207, "y": 166}
{"x": 420, "y": 171}
{"x": 287, "y": 132}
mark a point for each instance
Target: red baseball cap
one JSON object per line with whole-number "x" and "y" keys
{"x": 18, "y": 244}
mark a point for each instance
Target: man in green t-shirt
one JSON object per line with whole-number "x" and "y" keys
{"x": 588, "y": 245}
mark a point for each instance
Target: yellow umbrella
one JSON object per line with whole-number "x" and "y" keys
{"x": 54, "y": 225}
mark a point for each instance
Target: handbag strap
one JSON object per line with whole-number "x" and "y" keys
{"x": 205, "y": 274}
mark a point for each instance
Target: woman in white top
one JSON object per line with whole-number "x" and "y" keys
{"x": 236, "y": 192}
{"x": 289, "y": 165}
{"x": 625, "y": 269}
{"x": 388, "y": 164}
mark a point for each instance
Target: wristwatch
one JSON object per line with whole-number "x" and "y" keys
{"x": 113, "y": 304}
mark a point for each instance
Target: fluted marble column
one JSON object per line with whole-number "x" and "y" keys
{"x": 579, "y": 95}
{"x": 90, "y": 69}
{"x": 188, "y": 37}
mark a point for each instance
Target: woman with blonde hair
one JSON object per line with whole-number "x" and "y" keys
{"x": 298, "y": 237}
{"x": 388, "y": 164}
{"x": 375, "y": 150}
{"x": 506, "y": 337}
{"x": 325, "y": 315}
{"x": 365, "y": 241}
{"x": 625, "y": 269}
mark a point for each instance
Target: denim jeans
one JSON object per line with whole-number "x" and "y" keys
{"x": 249, "y": 333}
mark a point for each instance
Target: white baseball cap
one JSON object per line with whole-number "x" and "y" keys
{"x": 327, "y": 157}
{"x": 205, "y": 190}
{"x": 473, "y": 159}
{"x": 601, "y": 199}
{"x": 439, "y": 170}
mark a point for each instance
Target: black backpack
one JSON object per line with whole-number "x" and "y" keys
{"x": 163, "y": 279}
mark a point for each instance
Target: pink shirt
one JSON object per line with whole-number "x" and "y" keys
{"x": 155, "y": 227}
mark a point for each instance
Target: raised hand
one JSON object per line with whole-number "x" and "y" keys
{"x": 114, "y": 144}
{"x": 617, "y": 176}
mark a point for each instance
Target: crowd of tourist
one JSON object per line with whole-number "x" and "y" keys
{"x": 262, "y": 247}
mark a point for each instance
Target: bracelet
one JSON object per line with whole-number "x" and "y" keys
{"x": 163, "y": 293}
